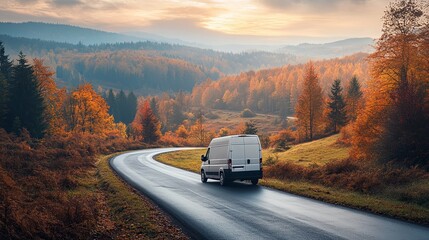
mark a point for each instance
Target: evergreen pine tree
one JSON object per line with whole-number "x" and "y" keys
{"x": 154, "y": 107}
{"x": 3, "y": 100}
{"x": 131, "y": 108}
{"x": 354, "y": 97}
{"x": 121, "y": 103}
{"x": 5, "y": 78}
{"x": 337, "y": 111}
{"x": 26, "y": 106}
{"x": 250, "y": 128}
{"x": 5, "y": 64}
{"x": 111, "y": 101}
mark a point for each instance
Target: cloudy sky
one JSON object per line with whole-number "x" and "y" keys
{"x": 256, "y": 21}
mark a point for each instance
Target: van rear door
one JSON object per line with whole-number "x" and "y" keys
{"x": 252, "y": 152}
{"x": 237, "y": 154}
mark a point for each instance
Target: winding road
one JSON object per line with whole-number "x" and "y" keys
{"x": 243, "y": 211}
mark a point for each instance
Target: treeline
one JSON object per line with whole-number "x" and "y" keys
{"x": 121, "y": 106}
{"x": 145, "y": 66}
{"x": 129, "y": 70}
{"x": 275, "y": 90}
{"x": 31, "y": 100}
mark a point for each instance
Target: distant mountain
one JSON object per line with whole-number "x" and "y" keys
{"x": 330, "y": 50}
{"x": 63, "y": 33}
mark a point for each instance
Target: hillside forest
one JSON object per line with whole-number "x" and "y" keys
{"x": 378, "y": 103}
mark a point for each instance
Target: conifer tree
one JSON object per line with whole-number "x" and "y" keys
{"x": 26, "y": 105}
{"x": 5, "y": 78}
{"x": 5, "y": 64}
{"x": 154, "y": 106}
{"x": 3, "y": 100}
{"x": 353, "y": 99}
{"x": 250, "y": 128}
{"x": 121, "y": 104}
{"x": 111, "y": 101}
{"x": 337, "y": 107}
{"x": 131, "y": 108}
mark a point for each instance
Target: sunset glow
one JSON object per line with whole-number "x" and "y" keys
{"x": 262, "y": 18}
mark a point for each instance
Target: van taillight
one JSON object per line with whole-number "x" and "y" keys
{"x": 229, "y": 163}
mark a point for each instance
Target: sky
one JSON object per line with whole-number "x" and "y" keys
{"x": 212, "y": 21}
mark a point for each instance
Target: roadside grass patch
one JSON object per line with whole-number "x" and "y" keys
{"x": 189, "y": 160}
{"x": 317, "y": 152}
{"x": 135, "y": 216}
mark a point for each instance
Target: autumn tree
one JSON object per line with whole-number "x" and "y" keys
{"x": 393, "y": 125}
{"x": 353, "y": 99}
{"x": 309, "y": 108}
{"x": 149, "y": 126}
{"x": 85, "y": 111}
{"x": 52, "y": 96}
{"x": 197, "y": 131}
{"x": 26, "y": 105}
{"x": 337, "y": 107}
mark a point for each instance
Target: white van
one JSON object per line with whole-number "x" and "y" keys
{"x": 230, "y": 158}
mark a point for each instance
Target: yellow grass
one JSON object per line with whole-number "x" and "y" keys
{"x": 266, "y": 123}
{"x": 317, "y": 152}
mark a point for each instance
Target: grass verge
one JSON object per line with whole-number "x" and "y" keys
{"x": 132, "y": 215}
{"x": 381, "y": 203}
{"x": 317, "y": 152}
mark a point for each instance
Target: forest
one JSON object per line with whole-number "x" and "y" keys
{"x": 51, "y": 135}
{"x": 144, "y": 67}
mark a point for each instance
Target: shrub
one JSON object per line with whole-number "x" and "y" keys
{"x": 247, "y": 113}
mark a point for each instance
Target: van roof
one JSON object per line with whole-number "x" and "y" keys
{"x": 238, "y": 135}
{"x": 225, "y": 140}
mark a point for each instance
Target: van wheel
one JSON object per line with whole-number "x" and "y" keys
{"x": 254, "y": 181}
{"x": 203, "y": 176}
{"x": 222, "y": 180}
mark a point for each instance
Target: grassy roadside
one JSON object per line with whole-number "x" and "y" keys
{"x": 381, "y": 204}
{"x": 126, "y": 214}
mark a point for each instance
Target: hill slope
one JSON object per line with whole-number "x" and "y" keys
{"x": 332, "y": 49}
{"x": 63, "y": 33}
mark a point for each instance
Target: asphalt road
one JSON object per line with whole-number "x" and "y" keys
{"x": 243, "y": 211}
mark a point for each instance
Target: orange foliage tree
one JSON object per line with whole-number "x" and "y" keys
{"x": 146, "y": 123}
{"x": 393, "y": 124}
{"x": 53, "y": 97}
{"x": 309, "y": 109}
{"x": 85, "y": 111}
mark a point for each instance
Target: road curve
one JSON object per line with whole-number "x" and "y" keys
{"x": 243, "y": 211}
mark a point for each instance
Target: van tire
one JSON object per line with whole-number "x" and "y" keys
{"x": 254, "y": 181}
{"x": 203, "y": 177}
{"x": 222, "y": 180}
